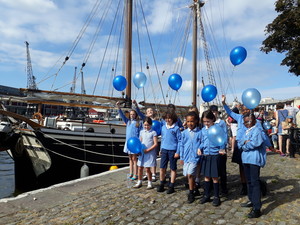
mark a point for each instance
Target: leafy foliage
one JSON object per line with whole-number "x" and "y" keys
{"x": 284, "y": 34}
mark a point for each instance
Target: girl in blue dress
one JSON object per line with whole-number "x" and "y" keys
{"x": 133, "y": 127}
{"x": 147, "y": 158}
{"x": 210, "y": 161}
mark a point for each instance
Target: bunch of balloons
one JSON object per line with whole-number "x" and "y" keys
{"x": 238, "y": 55}
{"x": 251, "y": 98}
{"x": 139, "y": 79}
{"x": 119, "y": 83}
{"x": 175, "y": 81}
{"x": 134, "y": 145}
{"x": 216, "y": 135}
{"x": 156, "y": 126}
{"x": 209, "y": 92}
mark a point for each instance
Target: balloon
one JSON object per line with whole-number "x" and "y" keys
{"x": 208, "y": 93}
{"x": 139, "y": 79}
{"x": 251, "y": 98}
{"x": 216, "y": 135}
{"x": 134, "y": 145}
{"x": 238, "y": 55}
{"x": 267, "y": 125}
{"x": 156, "y": 126}
{"x": 119, "y": 83}
{"x": 175, "y": 81}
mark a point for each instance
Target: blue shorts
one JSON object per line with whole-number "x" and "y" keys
{"x": 166, "y": 156}
{"x": 189, "y": 168}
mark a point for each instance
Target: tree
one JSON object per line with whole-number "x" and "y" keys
{"x": 284, "y": 34}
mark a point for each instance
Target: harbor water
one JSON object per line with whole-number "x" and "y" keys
{"x": 7, "y": 180}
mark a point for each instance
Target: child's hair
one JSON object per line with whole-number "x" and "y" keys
{"x": 194, "y": 109}
{"x": 209, "y": 115}
{"x": 137, "y": 118}
{"x": 171, "y": 107}
{"x": 195, "y": 115}
{"x": 148, "y": 120}
{"x": 170, "y": 114}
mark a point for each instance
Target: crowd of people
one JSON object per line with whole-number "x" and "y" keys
{"x": 250, "y": 134}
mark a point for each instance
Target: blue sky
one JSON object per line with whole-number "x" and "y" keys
{"x": 51, "y": 27}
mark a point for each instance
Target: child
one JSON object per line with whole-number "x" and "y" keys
{"x": 188, "y": 152}
{"x": 133, "y": 128}
{"x": 151, "y": 114}
{"x": 286, "y": 126}
{"x": 253, "y": 157}
{"x": 210, "y": 162}
{"x": 170, "y": 145}
{"x": 147, "y": 159}
{"x": 223, "y": 155}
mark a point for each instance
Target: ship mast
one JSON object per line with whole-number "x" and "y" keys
{"x": 196, "y": 10}
{"x": 128, "y": 47}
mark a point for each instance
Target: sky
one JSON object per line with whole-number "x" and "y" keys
{"x": 51, "y": 27}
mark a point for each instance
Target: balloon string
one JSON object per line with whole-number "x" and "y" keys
{"x": 229, "y": 84}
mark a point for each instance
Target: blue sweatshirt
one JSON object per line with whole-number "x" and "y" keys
{"x": 190, "y": 143}
{"x": 206, "y": 146}
{"x": 171, "y": 138}
{"x": 131, "y": 129}
{"x": 254, "y": 151}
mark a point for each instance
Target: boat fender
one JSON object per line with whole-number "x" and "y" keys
{"x": 113, "y": 130}
{"x": 113, "y": 168}
{"x": 84, "y": 171}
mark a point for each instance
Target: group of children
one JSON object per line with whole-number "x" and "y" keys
{"x": 193, "y": 146}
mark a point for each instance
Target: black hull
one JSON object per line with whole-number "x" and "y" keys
{"x": 66, "y": 150}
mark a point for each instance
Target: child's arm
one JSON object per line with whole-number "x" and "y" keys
{"x": 124, "y": 118}
{"x": 256, "y": 140}
{"x": 137, "y": 109}
{"x": 179, "y": 140}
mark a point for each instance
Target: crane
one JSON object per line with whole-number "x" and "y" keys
{"x": 30, "y": 78}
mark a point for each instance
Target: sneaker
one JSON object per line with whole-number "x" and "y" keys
{"x": 191, "y": 198}
{"x": 150, "y": 186}
{"x": 145, "y": 177}
{"x": 138, "y": 185}
{"x": 196, "y": 192}
{"x": 160, "y": 188}
{"x": 135, "y": 177}
{"x": 255, "y": 213}
{"x": 154, "y": 179}
{"x": 216, "y": 202}
{"x": 247, "y": 204}
{"x": 170, "y": 190}
{"x": 205, "y": 199}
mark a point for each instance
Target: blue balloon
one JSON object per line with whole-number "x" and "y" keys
{"x": 251, "y": 98}
{"x": 267, "y": 125}
{"x": 209, "y": 92}
{"x": 175, "y": 81}
{"x": 139, "y": 79}
{"x": 134, "y": 145}
{"x": 156, "y": 126}
{"x": 238, "y": 55}
{"x": 216, "y": 135}
{"x": 119, "y": 83}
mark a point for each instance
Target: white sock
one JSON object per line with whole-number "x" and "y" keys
{"x": 139, "y": 182}
{"x": 149, "y": 183}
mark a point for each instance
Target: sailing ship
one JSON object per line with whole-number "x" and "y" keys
{"x": 45, "y": 154}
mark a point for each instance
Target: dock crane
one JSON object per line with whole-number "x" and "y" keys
{"x": 30, "y": 78}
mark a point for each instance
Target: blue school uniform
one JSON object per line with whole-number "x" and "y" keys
{"x": 210, "y": 161}
{"x": 170, "y": 145}
{"x": 132, "y": 130}
{"x": 147, "y": 159}
{"x": 190, "y": 144}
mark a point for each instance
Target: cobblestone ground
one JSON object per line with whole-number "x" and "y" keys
{"x": 107, "y": 200}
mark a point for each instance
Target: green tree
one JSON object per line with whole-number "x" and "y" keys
{"x": 284, "y": 34}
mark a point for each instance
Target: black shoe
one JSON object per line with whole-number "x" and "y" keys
{"x": 254, "y": 213}
{"x": 197, "y": 184}
{"x": 205, "y": 199}
{"x": 170, "y": 190}
{"x": 160, "y": 188}
{"x": 191, "y": 198}
{"x": 263, "y": 187}
{"x": 196, "y": 192}
{"x": 247, "y": 204}
{"x": 216, "y": 202}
